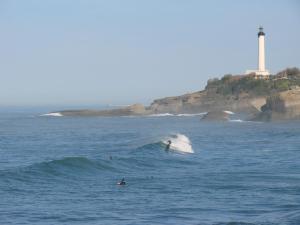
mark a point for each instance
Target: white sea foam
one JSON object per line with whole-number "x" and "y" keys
{"x": 53, "y": 114}
{"x": 244, "y": 121}
{"x": 192, "y": 114}
{"x": 180, "y": 143}
{"x": 161, "y": 114}
{"x": 228, "y": 112}
{"x": 238, "y": 120}
{"x": 182, "y": 114}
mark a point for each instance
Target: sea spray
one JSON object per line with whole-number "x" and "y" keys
{"x": 180, "y": 143}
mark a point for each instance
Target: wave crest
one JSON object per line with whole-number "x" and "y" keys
{"x": 72, "y": 163}
{"x": 180, "y": 143}
{"x": 68, "y": 166}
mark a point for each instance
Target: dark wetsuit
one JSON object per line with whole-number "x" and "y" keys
{"x": 122, "y": 182}
{"x": 168, "y": 145}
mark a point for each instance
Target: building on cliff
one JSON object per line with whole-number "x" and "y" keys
{"x": 261, "y": 72}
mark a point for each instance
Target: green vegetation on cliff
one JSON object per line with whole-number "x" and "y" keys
{"x": 236, "y": 85}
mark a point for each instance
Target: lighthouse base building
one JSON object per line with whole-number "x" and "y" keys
{"x": 265, "y": 75}
{"x": 261, "y": 72}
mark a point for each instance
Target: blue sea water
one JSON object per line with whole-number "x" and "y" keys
{"x": 63, "y": 170}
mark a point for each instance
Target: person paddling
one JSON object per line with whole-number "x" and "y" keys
{"x": 122, "y": 182}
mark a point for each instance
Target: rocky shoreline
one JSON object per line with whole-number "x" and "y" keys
{"x": 260, "y": 100}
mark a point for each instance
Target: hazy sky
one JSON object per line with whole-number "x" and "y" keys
{"x": 61, "y": 52}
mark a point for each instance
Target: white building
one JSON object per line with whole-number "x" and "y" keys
{"x": 261, "y": 72}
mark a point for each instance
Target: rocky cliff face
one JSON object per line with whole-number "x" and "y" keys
{"x": 206, "y": 101}
{"x": 281, "y": 106}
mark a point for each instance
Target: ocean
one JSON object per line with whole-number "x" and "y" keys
{"x": 65, "y": 170}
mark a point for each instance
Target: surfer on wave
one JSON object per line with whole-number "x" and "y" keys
{"x": 168, "y": 145}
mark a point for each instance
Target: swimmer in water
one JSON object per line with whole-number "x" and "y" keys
{"x": 168, "y": 145}
{"x": 122, "y": 182}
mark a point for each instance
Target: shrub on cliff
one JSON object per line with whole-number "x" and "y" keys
{"x": 235, "y": 85}
{"x": 290, "y": 73}
{"x": 226, "y": 78}
{"x": 282, "y": 85}
{"x": 230, "y": 86}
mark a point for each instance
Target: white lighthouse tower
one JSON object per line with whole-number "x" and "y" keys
{"x": 261, "y": 72}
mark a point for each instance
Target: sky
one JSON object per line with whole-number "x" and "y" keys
{"x": 76, "y": 52}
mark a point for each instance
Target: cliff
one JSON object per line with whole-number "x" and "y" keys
{"x": 239, "y": 93}
{"x": 281, "y": 106}
{"x": 206, "y": 101}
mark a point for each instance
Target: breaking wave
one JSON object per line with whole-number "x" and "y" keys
{"x": 180, "y": 143}
{"x": 76, "y": 167}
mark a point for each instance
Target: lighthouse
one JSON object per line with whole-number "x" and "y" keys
{"x": 261, "y": 72}
{"x": 261, "y": 50}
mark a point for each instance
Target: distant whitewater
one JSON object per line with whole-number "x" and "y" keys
{"x": 244, "y": 121}
{"x": 182, "y": 114}
{"x": 52, "y": 114}
{"x": 179, "y": 143}
{"x": 238, "y": 121}
{"x": 228, "y": 112}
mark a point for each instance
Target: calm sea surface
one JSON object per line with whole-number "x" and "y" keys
{"x": 59, "y": 170}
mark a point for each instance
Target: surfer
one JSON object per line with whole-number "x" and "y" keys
{"x": 168, "y": 145}
{"x": 122, "y": 182}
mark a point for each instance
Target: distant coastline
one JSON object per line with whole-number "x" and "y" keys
{"x": 277, "y": 98}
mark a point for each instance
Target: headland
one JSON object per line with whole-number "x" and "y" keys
{"x": 275, "y": 98}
